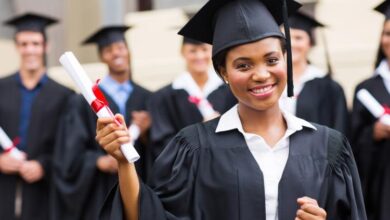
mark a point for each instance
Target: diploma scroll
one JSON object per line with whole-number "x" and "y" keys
{"x": 373, "y": 106}
{"x": 134, "y": 132}
{"x": 204, "y": 106}
{"x": 9, "y": 147}
{"x": 206, "y": 109}
{"x": 94, "y": 97}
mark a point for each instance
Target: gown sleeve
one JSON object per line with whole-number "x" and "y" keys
{"x": 163, "y": 127}
{"x": 340, "y": 114}
{"x": 74, "y": 159}
{"x": 362, "y": 125}
{"x": 344, "y": 200}
{"x": 363, "y": 143}
{"x": 170, "y": 194}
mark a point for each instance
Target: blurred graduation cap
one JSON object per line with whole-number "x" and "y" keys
{"x": 302, "y": 21}
{"x": 31, "y": 22}
{"x": 107, "y": 35}
{"x": 384, "y": 8}
{"x": 305, "y": 22}
{"x": 229, "y": 23}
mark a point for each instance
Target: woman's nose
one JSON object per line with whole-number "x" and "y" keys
{"x": 260, "y": 74}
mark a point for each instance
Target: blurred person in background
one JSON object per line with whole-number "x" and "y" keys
{"x": 370, "y": 136}
{"x": 30, "y": 108}
{"x": 179, "y": 104}
{"x": 317, "y": 98}
{"x": 84, "y": 173}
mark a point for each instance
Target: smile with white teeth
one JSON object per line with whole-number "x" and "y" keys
{"x": 262, "y": 90}
{"x": 118, "y": 61}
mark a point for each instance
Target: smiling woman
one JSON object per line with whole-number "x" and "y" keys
{"x": 255, "y": 161}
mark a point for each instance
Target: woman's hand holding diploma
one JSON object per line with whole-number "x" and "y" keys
{"x": 111, "y": 136}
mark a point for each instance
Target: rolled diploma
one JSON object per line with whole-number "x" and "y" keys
{"x": 206, "y": 109}
{"x": 77, "y": 73}
{"x": 6, "y": 143}
{"x": 373, "y": 106}
{"x": 134, "y": 132}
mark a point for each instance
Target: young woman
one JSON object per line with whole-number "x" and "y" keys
{"x": 194, "y": 96}
{"x": 371, "y": 137}
{"x": 317, "y": 98}
{"x": 255, "y": 161}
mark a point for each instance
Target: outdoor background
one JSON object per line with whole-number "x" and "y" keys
{"x": 353, "y": 35}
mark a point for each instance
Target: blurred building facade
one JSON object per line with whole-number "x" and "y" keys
{"x": 353, "y": 34}
{"x": 80, "y": 18}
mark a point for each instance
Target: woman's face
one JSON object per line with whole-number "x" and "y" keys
{"x": 197, "y": 57}
{"x": 385, "y": 39}
{"x": 256, "y": 73}
{"x": 300, "y": 45}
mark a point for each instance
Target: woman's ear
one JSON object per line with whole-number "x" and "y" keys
{"x": 222, "y": 71}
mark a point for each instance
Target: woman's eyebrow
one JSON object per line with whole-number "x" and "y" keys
{"x": 242, "y": 59}
{"x": 270, "y": 54}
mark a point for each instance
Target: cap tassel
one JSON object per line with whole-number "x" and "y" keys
{"x": 326, "y": 51}
{"x": 290, "y": 83}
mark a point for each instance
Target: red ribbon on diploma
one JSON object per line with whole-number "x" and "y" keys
{"x": 194, "y": 99}
{"x": 387, "y": 110}
{"x": 100, "y": 101}
{"x": 15, "y": 142}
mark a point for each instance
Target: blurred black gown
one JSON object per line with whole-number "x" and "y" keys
{"x": 372, "y": 156}
{"x": 47, "y": 108}
{"x": 80, "y": 188}
{"x": 171, "y": 111}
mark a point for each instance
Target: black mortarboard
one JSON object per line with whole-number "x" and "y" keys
{"x": 107, "y": 35}
{"x": 304, "y": 22}
{"x": 186, "y": 40}
{"x": 228, "y": 23}
{"x": 384, "y": 8}
{"x": 31, "y": 22}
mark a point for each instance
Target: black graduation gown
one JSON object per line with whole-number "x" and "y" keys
{"x": 372, "y": 156}
{"x": 206, "y": 175}
{"x": 46, "y": 110}
{"x": 171, "y": 111}
{"x": 80, "y": 188}
{"x": 322, "y": 101}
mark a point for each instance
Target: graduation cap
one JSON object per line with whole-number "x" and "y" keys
{"x": 228, "y": 23}
{"x": 31, "y": 22}
{"x": 302, "y": 21}
{"x": 384, "y": 9}
{"x": 107, "y": 35}
{"x": 189, "y": 13}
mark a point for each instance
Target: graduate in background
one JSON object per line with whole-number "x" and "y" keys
{"x": 256, "y": 161}
{"x": 317, "y": 98}
{"x": 177, "y": 105}
{"x": 84, "y": 173}
{"x": 30, "y": 108}
{"x": 370, "y": 137}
